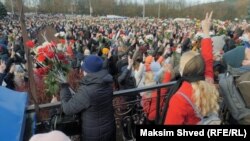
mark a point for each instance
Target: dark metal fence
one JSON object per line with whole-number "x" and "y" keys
{"x": 127, "y": 113}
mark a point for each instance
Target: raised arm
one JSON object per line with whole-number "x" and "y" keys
{"x": 76, "y": 103}
{"x": 207, "y": 49}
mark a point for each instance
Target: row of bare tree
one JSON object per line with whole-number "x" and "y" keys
{"x": 227, "y": 9}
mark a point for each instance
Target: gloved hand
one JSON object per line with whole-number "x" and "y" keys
{"x": 61, "y": 78}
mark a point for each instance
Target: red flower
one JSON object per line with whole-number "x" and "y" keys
{"x": 110, "y": 36}
{"x": 51, "y": 54}
{"x": 36, "y": 72}
{"x": 40, "y": 51}
{"x": 61, "y": 56}
{"x": 41, "y": 71}
{"x": 72, "y": 41}
{"x": 45, "y": 70}
{"x": 62, "y": 41}
{"x": 30, "y": 44}
{"x": 46, "y": 49}
{"x": 41, "y": 58}
{"x": 70, "y": 51}
{"x": 53, "y": 44}
{"x": 66, "y": 62}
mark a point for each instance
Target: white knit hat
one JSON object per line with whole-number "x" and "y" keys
{"x": 51, "y": 136}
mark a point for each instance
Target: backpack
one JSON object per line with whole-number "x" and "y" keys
{"x": 243, "y": 84}
{"x": 211, "y": 119}
{"x": 235, "y": 96}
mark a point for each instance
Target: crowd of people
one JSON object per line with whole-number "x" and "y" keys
{"x": 122, "y": 54}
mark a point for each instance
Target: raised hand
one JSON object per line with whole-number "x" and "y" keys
{"x": 130, "y": 62}
{"x": 12, "y": 69}
{"x": 2, "y": 66}
{"x": 13, "y": 53}
{"x": 54, "y": 99}
{"x": 206, "y": 23}
{"x": 166, "y": 51}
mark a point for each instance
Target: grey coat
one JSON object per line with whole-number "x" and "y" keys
{"x": 94, "y": 100}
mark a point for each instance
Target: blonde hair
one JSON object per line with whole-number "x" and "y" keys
{"x": 205, "y": 95}
{"x": 149, "y": 78}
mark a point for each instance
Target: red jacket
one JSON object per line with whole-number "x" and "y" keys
{"x": 149, "y": 104}
{"x": 207, "y": 54}
{"x": 180, "y": 111}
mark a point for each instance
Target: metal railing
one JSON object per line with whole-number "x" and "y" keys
{"x": 127, "y": 92}
{"x": 127, "y": 112}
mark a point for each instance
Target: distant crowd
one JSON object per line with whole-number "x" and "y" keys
{"x": 136, "y": 53}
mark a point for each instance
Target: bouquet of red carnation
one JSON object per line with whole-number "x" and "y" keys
{"x": 52, "y": 63}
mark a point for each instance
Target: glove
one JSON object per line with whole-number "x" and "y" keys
{"x": 61, "y": 78}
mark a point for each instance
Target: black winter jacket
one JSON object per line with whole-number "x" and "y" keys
{"x": 94, "y": 100}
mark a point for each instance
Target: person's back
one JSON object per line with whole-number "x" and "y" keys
{"x": 98, "y": 120}
{"x": 94, "y": 100}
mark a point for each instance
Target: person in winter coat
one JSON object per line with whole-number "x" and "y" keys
{"x": 93, "y": 100}
{"x": 196, "y": 83}
{"x": 126, "y": 79}
{"x": 3, "y": 53}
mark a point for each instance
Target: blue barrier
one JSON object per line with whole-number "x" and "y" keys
{"x": 12, "y": 117}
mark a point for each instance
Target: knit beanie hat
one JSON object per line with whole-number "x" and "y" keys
{"x": 92, "y": 64}
{"x": 51, "y": 136}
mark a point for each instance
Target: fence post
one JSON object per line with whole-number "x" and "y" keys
{"x": 158, "y": 106}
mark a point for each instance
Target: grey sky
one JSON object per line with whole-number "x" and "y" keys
{"x": 192, "y": 1}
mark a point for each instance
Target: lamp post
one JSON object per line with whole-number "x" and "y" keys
{"x": 143, "y": 12}
{"x": 159, "y": 11}
{"x": 90, "y": 8}
{"x": 12, "y": 7}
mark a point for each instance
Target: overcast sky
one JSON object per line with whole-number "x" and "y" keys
{"x": 192, "y": 1}
{"x": 203, "y": 1}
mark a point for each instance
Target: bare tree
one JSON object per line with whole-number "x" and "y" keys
{"x": 227, "y": 9}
